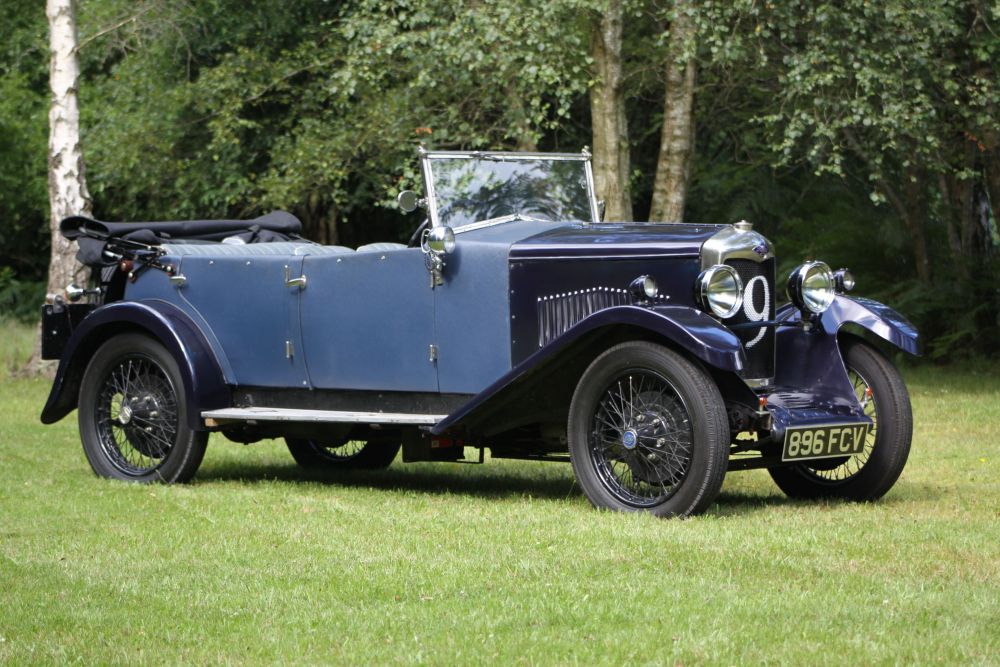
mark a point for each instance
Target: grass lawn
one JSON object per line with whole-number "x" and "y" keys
{"x": 506, "y": 563}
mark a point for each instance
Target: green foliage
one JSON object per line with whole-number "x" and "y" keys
{"x": 809, "y": 118}
{"x": 19, "y": 300}
{"x": 321, "y": 115}
{"x": 23, "y": 139}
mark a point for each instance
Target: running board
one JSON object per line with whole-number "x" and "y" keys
{"x": 217, "y": 417}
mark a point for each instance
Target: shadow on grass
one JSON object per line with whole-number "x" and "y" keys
{"x": 729, "y": 503}
{"x": 456, "y": 479}
{"x": 481, "y": 482}
{"x": 739, "y": 502}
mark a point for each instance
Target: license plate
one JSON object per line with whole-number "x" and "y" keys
{"x": 824, "y": 442}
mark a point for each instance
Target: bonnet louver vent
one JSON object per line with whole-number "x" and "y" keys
{"x": 558, "y": 312}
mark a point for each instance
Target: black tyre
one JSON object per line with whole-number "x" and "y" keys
{"x": 648, "y": 432}
{"x": 870, "y": 474}
{"x": 133, "y": 414}
{"x": 351, "y": 454}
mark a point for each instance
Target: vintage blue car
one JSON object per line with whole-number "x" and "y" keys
{"x": 653, "y": 357}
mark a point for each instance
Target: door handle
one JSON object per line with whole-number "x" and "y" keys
{"x": 299, "y": 282}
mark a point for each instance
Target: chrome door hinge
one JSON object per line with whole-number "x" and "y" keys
{"x": 299, "y": 282}
{"x": 432, "y": 353}
{"x": 289, "y": 349}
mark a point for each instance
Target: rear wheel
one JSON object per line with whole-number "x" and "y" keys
{"x": 350, "y": 454}
{"x": 648, "y": 432}
{"x": 870, "y": 474}
{"x": 133, "y": 414}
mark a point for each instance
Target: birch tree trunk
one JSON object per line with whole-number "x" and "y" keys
{"x": 607, "y": 112}
{"x": 673, "y": 167}
{"x": 67, "y": 187}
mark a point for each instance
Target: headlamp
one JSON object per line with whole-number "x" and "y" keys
{"x": 811, "y": 287}
{"x": 719, "y": 290}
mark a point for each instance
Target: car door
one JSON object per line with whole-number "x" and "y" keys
{"x": 245, "y": 302}
{"x": 368, "y": 321}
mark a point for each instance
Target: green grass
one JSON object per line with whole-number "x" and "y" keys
{"x": 16, "y": 341}
{"x": 505, "y": 563}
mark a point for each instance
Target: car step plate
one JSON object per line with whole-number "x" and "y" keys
{"x": 214, "y": 417}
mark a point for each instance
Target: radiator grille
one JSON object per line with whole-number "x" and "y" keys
{"x": 759, "y": 300}
{"x": 558, "y": 312}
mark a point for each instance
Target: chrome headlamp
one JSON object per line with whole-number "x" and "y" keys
{"x": 811, "y": 287}
{"x": 719, "y": 290}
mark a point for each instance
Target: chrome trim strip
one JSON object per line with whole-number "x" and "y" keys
{"x": 505, "y": 155}
{"x": 425, "y": 169}
{"x": 514, "y": 217}
{"x": 574, "y": 258}
{"x": 331, "y": 416}
{"x": 588, "y": 169}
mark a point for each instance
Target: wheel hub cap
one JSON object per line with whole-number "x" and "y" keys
{"x": 630, "y": 439}
{"x": 125, "y": 415}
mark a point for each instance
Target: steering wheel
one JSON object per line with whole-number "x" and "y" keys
{"x": 414, "y": 241}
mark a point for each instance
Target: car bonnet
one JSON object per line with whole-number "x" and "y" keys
{"x": 616, "y": 240}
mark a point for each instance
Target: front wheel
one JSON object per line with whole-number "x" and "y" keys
{"x": 133, "y": 414}
{"x": 870, "y": 474}
{"x": 648, "y": 432}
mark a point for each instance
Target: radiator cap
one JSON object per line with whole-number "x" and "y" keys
{"x": 743, "y": 226}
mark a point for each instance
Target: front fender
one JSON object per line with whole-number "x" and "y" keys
{"x": 204, "y": 382}
{"x": 877, "y": 318}
{"x": 684, "y": 327}
{"x": 690, "y": 329}
{"x": 811, "y": 380}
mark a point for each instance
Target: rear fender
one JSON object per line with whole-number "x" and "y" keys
{"x": 683, "y": 328}
{"x": 201, "y": 370}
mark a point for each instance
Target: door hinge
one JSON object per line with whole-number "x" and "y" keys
{"x": 432, "y": 353}
{"x": 289, "y": 349}
{"x": 299, "y": 282}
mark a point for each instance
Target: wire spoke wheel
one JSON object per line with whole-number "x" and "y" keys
{"x": 837, "y": 470}
{"x": 344, "y": 453}
{"x": 136, "y": 416}
{"x": 133, "y": 414}
{"x": 869, "y": 474}
{"x": 647, "y": 431}
{"x": 641, "y": 439}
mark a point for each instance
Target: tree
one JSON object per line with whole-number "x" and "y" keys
{"x": 607, "y": 113}
{"x": 67, "y": 184}
{"x": 673, "y": 166}
{"x": 910, "y": 101}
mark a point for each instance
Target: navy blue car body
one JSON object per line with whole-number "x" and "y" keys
{"x": 505, "y": 326}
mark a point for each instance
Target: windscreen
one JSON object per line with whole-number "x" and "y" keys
{"x": 475, "y": 189}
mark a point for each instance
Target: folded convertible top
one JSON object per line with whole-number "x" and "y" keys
{"x": 208, "y": 230}
{"x": 94, "y": 235}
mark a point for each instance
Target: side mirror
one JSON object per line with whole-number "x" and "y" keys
{"x": 408, "y": 201}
